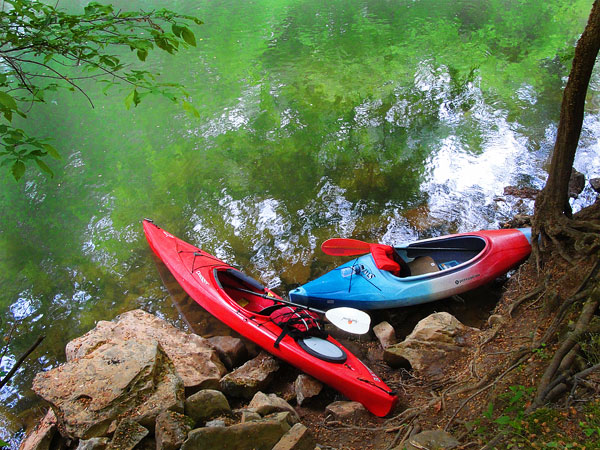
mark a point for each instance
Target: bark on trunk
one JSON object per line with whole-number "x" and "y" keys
{"x": 553, "y": 202}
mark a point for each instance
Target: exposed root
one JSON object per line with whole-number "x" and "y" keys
{"x": 548, "y": 381}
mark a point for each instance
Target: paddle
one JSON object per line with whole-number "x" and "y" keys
{"x": 350, "y": 247}
{"x": 348, "y": 319}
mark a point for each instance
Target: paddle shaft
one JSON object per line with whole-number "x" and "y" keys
{"x": 275, "y": 299}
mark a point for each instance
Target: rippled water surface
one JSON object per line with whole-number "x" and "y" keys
{"x": 380, "y": 120}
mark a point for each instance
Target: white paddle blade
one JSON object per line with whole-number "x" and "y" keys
{"x": 349, "y": 319}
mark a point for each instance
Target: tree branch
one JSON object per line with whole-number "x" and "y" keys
{"x": 20, "y": 361}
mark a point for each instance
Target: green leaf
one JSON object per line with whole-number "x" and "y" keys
{"x": 44, "y": 167}
{"x": 18, "y": 170}
{"x": 51, "y": 151}
{"x": 189, "y": 108}
{"x": 142, "y": 53}
{"x": 188, "y": 36}
{"x": 132, "y": 98}
{"x": 503, "y": 420}
{"x": 177, "y": 30}
{"x": 489, "y": 412}
{"x": 8, "y": 101}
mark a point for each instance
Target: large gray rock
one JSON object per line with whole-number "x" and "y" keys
{"x": 250, "y": 378}
{"x": 434, "y": 344}
{"x": 195, "y": 359}
{"x": 255, "y": 435}
{"x": 116, "y": 380}
{"x": 205, "y": 405}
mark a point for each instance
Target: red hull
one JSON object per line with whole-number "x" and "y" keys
{"x": 197, "y": 272}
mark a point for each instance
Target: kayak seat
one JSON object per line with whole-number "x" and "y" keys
{"x": 423, "y": 264}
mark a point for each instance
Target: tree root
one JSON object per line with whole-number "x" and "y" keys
{"x": 548, "y": 382}
{"x": 523, "y": 355}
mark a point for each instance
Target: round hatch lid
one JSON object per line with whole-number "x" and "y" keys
{"x": 322, "y": 349}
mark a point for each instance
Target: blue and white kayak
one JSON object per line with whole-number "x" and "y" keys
{"x": 423, "y": 271}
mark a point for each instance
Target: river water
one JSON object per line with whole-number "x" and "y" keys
{"x": 380, "y": 120}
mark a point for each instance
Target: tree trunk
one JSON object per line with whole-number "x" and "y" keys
{"x": 552, "y": 207}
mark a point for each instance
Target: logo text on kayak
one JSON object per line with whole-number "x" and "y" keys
{"x": 201, "y": 277}
{"x": 467, "y": 279}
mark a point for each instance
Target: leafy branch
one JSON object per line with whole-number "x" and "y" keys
{"x": 44, "y": 48}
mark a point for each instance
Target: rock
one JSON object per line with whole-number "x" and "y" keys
{"x": 196, "y": 361}
{"x": 172, "y": 429}
{"x": 206, "y": 404}
{"x": 595, "y": 183}
{"x": 576, "y": 183}
{"x": 116, "y": 379}
{"x": 433, "y": 345}
{"x": 260, "y": 435}
{"x": 290, "y": 418}
{"x": 269, "y": 403}
{"x": 249, "y": 416}
{"x": 385, "y": 333}
{"x": 521, "y": 192}
{"x": 231, "y": 350}
{"x": 41, "y": 437}
{"x": 168, "y": 395}
{"x": 431, "y": 439}
{"x": 347, "y": 411}
{"x": 306, "y": 387}
{"x": 496, "y": 319}
{"x": 215, "y": 423}
{"x": 127, "y": 435}
{"x": 250, "y": 378}
{"x": 297, "y": 438}
{"x": 93, "y": 444}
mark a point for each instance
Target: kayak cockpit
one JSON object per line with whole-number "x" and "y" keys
{"x": 440, "y": 254}
{"x": 245, "y": 291}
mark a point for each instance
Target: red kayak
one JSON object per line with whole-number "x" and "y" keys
{"x": 249, "y": 308}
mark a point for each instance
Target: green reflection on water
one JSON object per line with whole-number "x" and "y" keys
{"x": 317, "y": 119}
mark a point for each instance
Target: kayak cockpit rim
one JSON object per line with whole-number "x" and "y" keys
{"x": 447, "y": 252}
{"x": 260, "y": 301}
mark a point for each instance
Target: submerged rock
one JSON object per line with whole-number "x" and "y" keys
{"x": 434, "y": 344}
{"x": 195, "y": 359}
